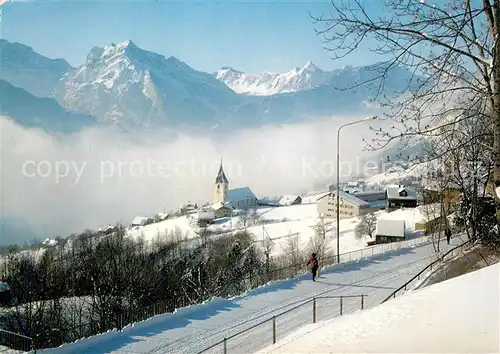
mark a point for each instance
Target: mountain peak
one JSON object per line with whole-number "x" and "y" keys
{"x": 310, "y": 66}
{"x": 128, "y": 44}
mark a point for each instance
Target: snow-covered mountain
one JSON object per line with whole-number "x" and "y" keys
{"x": 265, "y": 84}
{"x": 309, "y": 77}
{"x": 26, "y": 69}
{"x": 135, "y": 87}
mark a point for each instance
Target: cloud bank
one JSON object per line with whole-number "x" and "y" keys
{"x": 65, "y": 184}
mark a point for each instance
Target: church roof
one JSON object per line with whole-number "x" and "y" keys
{"x": 221, "y": 176}
{"x": 239, "y": 194}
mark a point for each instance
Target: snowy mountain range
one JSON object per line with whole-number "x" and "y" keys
{"x": 306, "y": 78}
{"x": 266, "y": 84}
{"x": 135, "y": 88}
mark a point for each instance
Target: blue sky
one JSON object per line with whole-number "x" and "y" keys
{"x": 251, "y": 36}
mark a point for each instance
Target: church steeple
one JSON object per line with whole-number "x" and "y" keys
{"x": 221, "y": 176}
{"x": 221, "y": 186}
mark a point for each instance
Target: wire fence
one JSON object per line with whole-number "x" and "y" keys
{"x": 318, "y": 308}
{"x": 16, "y": 341}
{"x": 450, "y": 254}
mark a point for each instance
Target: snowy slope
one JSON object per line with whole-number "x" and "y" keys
{"x": 193, "y": 329}
{"x": 279, "y": 225}
{"x": 456, "y": 316}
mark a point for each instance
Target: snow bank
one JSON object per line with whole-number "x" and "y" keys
{"x": 460, "y": 315}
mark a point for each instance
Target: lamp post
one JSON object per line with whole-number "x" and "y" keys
{"x": 338, "y": 177}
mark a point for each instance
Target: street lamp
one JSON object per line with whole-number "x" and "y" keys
{"x": 338, "y": 177}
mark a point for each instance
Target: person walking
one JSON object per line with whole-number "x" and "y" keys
{"x": 448, "y": 235}
{"x": 313, "y": 264}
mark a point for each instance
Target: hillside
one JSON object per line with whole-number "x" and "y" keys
{"x": 456, "y": 316}
{"x": 194, "y": 328}
{"x": 43, "y": 113}
{"x": 26, "y": 69}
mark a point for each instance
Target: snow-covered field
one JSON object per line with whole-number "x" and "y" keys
{"x": 460, "y": 315}
{"x": 279, "y": 224}
{"x": 194, "y": 328}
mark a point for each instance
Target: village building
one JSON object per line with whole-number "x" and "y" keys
{"x": 388, "y": 230}
{"x": 290, "y": 200}
{"x": 141, "y": 221}
{"x": 161, "y": 216}
{"x": 238, "y": 198}
{"x": 350, "y": 206}
{"x": 222, "y": 210}
{"x": 399, "y": 196}
{"x": 189, "y": 208}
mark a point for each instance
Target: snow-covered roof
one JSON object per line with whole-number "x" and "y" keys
{"x": 400, "y": 192}
{"x": 289, "y": 199}
{"x": 162, "y": 215}
{"x": 420, "y": 214}
{"x": 237, "y": 194}
{"x": 370, "y": 196}
{"x": 139, "y": 220}
{"x": 349, "y": 197}
{"x": 388, "y": 227}
{"x": 220, "y": 205}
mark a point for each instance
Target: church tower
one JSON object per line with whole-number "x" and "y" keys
{"x": 221, "y": 186}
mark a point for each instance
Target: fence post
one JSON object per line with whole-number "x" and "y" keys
{"x": 274, "y": 329}
{"x": 362, "y": 302}
{"x": 314, "y": 310}
{"x": 341, "y": 304}
{"x": 225, "y": 346}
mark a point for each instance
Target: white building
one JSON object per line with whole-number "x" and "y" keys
{"x": 239, "y": 198}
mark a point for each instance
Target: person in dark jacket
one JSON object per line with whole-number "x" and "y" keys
{"x": 313, "y": 264}
{"x": 448, "y": 235}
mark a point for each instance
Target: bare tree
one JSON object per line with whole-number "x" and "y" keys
{"x": 452, "y": 49}
{"x": 366, "y": 226}
{"x": 434, "y": 186}
{"x": 293, "y": 255}
{"x": 254, "y": 216}
{"x": 464, "y": 162}
{"x": 267, "y": 246}
{"x": 244, "y": 216}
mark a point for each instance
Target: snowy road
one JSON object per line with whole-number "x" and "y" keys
{"x": 193, "y": 329}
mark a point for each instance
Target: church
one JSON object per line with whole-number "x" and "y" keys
{"x": 237, "y": 198}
